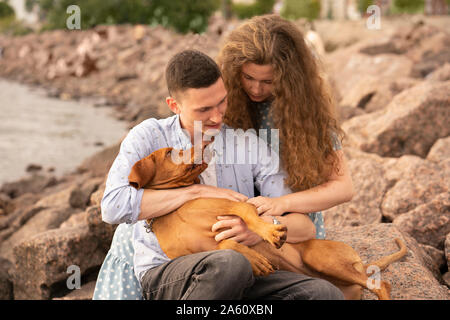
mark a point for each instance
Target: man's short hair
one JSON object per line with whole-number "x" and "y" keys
{"x": 191, "y": 69}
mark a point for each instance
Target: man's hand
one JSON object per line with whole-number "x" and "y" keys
{"x": 236, "y": 230}
{"x": 268, "y": 206}
{"x": 205, "y": 191}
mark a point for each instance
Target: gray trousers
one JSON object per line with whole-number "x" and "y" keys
{"x": 227, "y": 275}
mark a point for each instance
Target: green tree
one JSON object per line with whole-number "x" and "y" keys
{"x": 260, "y": 7}
{"x": 408, "y": 6}
{"x": 181, "y": 15}
{"x": 295, "y": 9}
{"x": 6, "y": 10}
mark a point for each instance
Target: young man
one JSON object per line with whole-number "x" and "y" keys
{"x": 197, "y": 93}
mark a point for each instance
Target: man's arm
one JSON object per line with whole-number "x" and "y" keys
{"x": 156, "y": 203}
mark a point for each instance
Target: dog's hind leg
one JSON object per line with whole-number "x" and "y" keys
{"x": 260, "y": 264}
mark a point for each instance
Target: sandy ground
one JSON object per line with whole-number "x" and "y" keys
{"x": 49, "y": 132}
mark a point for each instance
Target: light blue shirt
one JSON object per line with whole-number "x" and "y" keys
{"x": 121, "y": 202}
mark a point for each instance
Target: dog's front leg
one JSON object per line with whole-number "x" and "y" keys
{"x": 275, "y": 234}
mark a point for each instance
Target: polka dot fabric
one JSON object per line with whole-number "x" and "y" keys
{"x": 116, "y": 279}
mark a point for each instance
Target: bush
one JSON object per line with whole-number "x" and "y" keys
{"x": 408, "y": 6}
{"x": 6, "y": 10}
{"x": 260, "y": 7}
{"x": 182, "y": 15}
{"x": 363, "y": 5}
{"x": 295, "y": 9}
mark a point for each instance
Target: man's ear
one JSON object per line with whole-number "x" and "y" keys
{"x": 142, "y": 172}
{"x": 173, "y": 105}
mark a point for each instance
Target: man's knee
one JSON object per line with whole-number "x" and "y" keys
{"x": 229, "y": 265}
{"x": 324, "y": 290}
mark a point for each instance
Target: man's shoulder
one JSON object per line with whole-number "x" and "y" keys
{"x": 153, "y": 125}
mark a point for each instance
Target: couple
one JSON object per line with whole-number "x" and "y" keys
{"x": 266, "y": 78}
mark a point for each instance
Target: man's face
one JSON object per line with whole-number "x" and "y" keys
{"x": 257, "y": 80}
{"x": 207, "y": 105}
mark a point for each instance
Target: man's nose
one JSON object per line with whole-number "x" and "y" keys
{"x": 217, "y": 115}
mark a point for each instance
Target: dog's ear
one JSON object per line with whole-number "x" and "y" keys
{"x": 142, "y": 172}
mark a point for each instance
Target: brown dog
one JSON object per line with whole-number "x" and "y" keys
{"x": 188, "y": 230}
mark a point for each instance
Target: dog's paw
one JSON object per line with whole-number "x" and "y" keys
{"x": 260, "y": 265}
{"x": 276, "y": 235}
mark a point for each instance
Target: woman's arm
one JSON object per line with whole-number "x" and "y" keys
{"x": 338, "y": 189}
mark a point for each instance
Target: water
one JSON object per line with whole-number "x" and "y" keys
{"x": 36, "y": 129}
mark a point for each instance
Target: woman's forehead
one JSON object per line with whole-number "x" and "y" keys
{"x": 258, "y": 71}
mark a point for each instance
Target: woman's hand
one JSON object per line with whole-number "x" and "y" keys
{"x": 268, "y": 206}
{"x": 236, "y": 230}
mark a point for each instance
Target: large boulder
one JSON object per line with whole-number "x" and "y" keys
{"x": 410, "y": 124}
{"x": 370, "y": 185}
{"x": 409, "y": 277}
{"x": 46, "y": 219}
{"x": 42, "y": 262}
{"x": 428, "y": 223}
{"x": 418, "y": 182}
{"x": 440, "y": 151}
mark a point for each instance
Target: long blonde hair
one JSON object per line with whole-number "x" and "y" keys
{"x": 302, "y": 109}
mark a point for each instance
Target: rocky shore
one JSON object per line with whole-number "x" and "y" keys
{"x": 393, "y": 93}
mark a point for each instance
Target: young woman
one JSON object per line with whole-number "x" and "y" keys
{"x": 273, "y": 81}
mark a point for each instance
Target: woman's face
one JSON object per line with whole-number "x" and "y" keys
{"x": 257, "y": 81}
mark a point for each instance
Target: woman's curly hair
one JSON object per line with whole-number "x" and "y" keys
{"x": 302, "y": 109}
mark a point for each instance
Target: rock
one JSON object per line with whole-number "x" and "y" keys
{"x": 440, "y": 74}
{"x": 34, "y": 184}
{"x": 369, "y": 185}
{"x": 428, "y": 223}
{"x": 103, "y": 232}
{"x": 434, "y": 260}
{"x": 446, "y": 278}
{"x": 371, "y": 94}
{"x": 75, "y": 220}
{"x": 393, "y": 132}
{"x": 86, "y": 292}
{"x": 42, "y": 261}
{"x": 350, "y": 68}
{"x": 447, "y": 249}
{"x": 98, "y": 165}
{"x": 409, "y": 278}
{"x": 33, "y": 167}
{"x": 96, "y": 197}
{"x": 440, "y": 150}
{"x": 433, "y": 52}
{"x": 6, "y": 287}
{"x": 417, "y": 182}
{"x": 46, "y": 219}
{"x": 80, "y": 196}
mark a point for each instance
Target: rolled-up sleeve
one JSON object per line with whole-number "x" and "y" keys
{"x": 122, "y": 202}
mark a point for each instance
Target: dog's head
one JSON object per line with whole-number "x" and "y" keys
{"x": 159, "y": 171}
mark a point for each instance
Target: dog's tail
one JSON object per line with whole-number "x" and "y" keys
{"x": 385, "y": 261}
